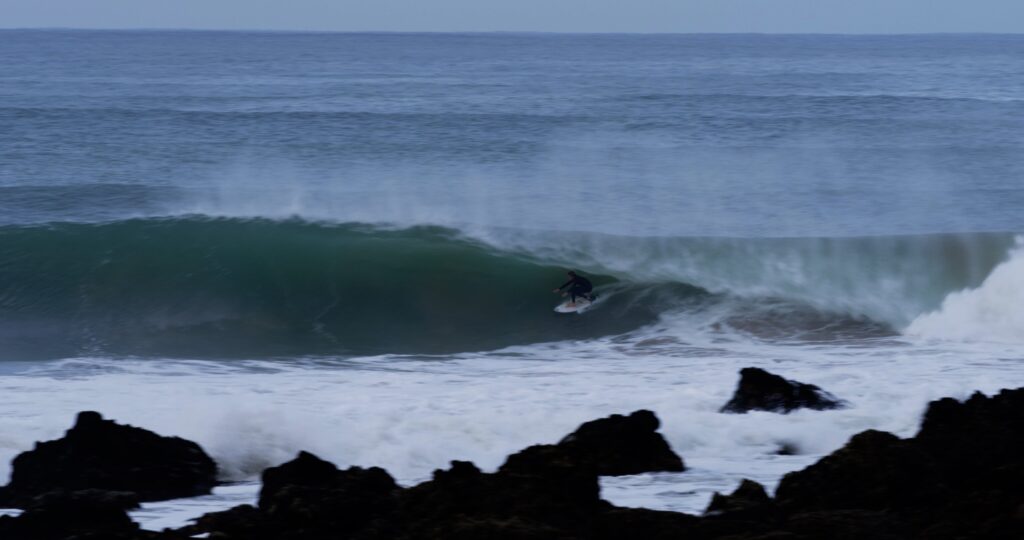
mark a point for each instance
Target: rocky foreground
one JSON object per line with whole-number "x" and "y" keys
{"x": 961, "y": 476}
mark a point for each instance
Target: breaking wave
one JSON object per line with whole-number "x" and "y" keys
{"x": 217, "y": 287}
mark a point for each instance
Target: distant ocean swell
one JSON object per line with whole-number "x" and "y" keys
{"x": 221, "y": 288}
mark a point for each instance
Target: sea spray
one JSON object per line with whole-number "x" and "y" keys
{"x": 993, "y": 311}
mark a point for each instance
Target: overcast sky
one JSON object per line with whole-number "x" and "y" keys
{"x": 827, "y": 16}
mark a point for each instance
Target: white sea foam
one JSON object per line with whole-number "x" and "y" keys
{"x": 994, "y": 311}
{"x": 413, "y": 415}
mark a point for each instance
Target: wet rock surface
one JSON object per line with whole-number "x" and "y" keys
{"x": 759, "y": 390}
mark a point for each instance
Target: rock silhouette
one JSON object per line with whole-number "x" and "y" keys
{"x": 960, "y": 477}
{"x": 100, "y": 454}
{"x": 759, "y": 390}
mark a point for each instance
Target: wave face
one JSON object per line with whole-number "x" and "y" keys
{"x": 217, "y": 287}
{"x": 253, "y": 288}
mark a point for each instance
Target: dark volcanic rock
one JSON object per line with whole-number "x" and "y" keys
{"x": 103, "y": 455}
{"x": 875, "y": 470}
{"x": 847, "y": 525}
{"x": 748, "y": 496}
{"x": 612, "y": 446}
{"x": 545, "y": 491}
{"x": 315, "y": 496}
{"x": 616, "y": 523}
{"x": 763, "y": 391}
{"x": 311, "y": 473}
{"x": 78, "y": 514}
{"x": 962, "y": 476}
{"x": 548, "y": 491}
{"x": 979, "y": 432}
{"x": 746, "y": 510}
{"x": 463, "y": 502}
{"x": 308, "y": 498}
{"x": 245, "y": 521}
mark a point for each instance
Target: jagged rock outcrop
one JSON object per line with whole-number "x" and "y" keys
{"x": 613, "y": 446}
{"x": 545, "y": 491}
{"x": 759, "y": 390}
{"x": 308, "y": 497}
{"x": 960, "y": 477}
{"x": 463, "y": 502}
{"x": 875, "y": 470}
{"x": 747, "y": 510}
{"x": 748, "y": 497}
{"x": 100, "y": 454}
{"x": 314, "y": 495}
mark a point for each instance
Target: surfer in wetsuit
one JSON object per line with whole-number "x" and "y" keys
{"x": 578, "y": 286}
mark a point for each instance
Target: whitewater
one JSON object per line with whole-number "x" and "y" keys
{"x": 346, "y": 243}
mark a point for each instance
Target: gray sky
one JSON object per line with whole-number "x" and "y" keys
{"x": 827, "y": 16}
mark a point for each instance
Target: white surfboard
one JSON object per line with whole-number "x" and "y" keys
{"x": 581, "y": 306}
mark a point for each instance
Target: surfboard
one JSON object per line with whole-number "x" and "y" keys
{"x": 581, "y": 306}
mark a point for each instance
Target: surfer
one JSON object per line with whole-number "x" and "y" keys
{"x": 578, "y": 286}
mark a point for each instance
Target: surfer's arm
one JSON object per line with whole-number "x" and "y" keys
{"x": 566, "y": 284}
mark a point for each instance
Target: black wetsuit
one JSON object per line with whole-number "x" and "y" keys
{"x": 578, "y": 286}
